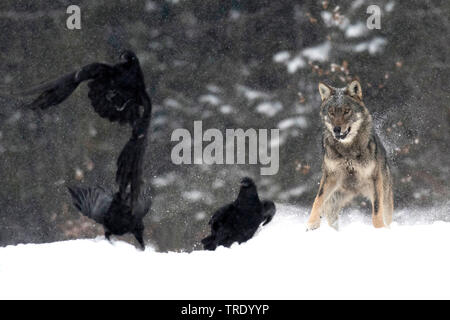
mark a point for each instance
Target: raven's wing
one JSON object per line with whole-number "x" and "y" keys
{"x": 53, "y": 93}
{"x": 91, "y": 202}
{"x": 220, "y": 234}
{"x": 130, "y": 161}
{"x": 113, "y": 90}
{"x": 221, "y": 216}
{"x": 56, "y": 91}
{"x": 268, "y": 211}
{"x": 8, "y": 92}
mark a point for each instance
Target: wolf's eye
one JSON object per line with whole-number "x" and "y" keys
{"x": 331, "y": 112}
{"x": 346, "y": 111}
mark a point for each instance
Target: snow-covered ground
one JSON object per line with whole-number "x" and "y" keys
{"x": 409, "y": 260}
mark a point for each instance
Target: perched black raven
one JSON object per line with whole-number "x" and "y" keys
{"x": 112, "y": 211}
{"x": 239, "y": 220}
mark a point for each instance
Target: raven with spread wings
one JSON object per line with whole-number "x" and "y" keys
{"x": 113, "y": 211}
{"x": 122, "y": 212}
{"x": 117, "y": 93}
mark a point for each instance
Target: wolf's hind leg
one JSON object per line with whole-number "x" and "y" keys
{"x": 333, "y": 219}
{"x": 381, "y": 215}
{"x": 388, "y": 202}
{"x": 333, "y": 206}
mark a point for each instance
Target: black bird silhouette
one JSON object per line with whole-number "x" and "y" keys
{"x": 113, "y": 211}
{"x": 117, "y": 93}
{"x": 238, "y": 221}
{"x": 124, "y": 211}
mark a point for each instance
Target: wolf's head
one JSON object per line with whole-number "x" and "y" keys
{"x": 343, "y": 111}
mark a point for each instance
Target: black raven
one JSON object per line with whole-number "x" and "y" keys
{"x": 238, "y": 221}
{"x": 113, "y": 211}
{"x": 117, "y": 93}
{"x": 124, "y": 211}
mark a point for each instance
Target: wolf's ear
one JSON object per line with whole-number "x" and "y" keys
{"x": 324, "y": 90}
{"x": 354, "y": 90}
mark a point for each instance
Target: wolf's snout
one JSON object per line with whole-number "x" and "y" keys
{"x": 339, "y": 134}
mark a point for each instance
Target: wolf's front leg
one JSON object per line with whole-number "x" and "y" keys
{"x": 314, "y": 217}
{"x": 327, "y": 185}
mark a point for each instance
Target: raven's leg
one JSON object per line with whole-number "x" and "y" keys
{"x": 107, "y": 235}
{"x": 139, "y": 237}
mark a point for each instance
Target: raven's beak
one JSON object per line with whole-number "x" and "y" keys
{"x": 245, "y": 182}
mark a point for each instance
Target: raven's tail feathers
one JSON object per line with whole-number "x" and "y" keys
{"x": 129, "y": 168}
{"x": 268, "y": 211}
{"x": 91, "y": 202}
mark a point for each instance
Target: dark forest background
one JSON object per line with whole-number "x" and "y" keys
{"x": 232, "y": 64}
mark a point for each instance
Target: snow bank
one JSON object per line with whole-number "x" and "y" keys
{"x": 281, "y": 262}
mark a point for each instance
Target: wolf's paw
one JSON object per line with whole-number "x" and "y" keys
{"x": 312, "y": 225}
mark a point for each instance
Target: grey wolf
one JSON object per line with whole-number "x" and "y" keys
{"x": 354, "y": 160}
